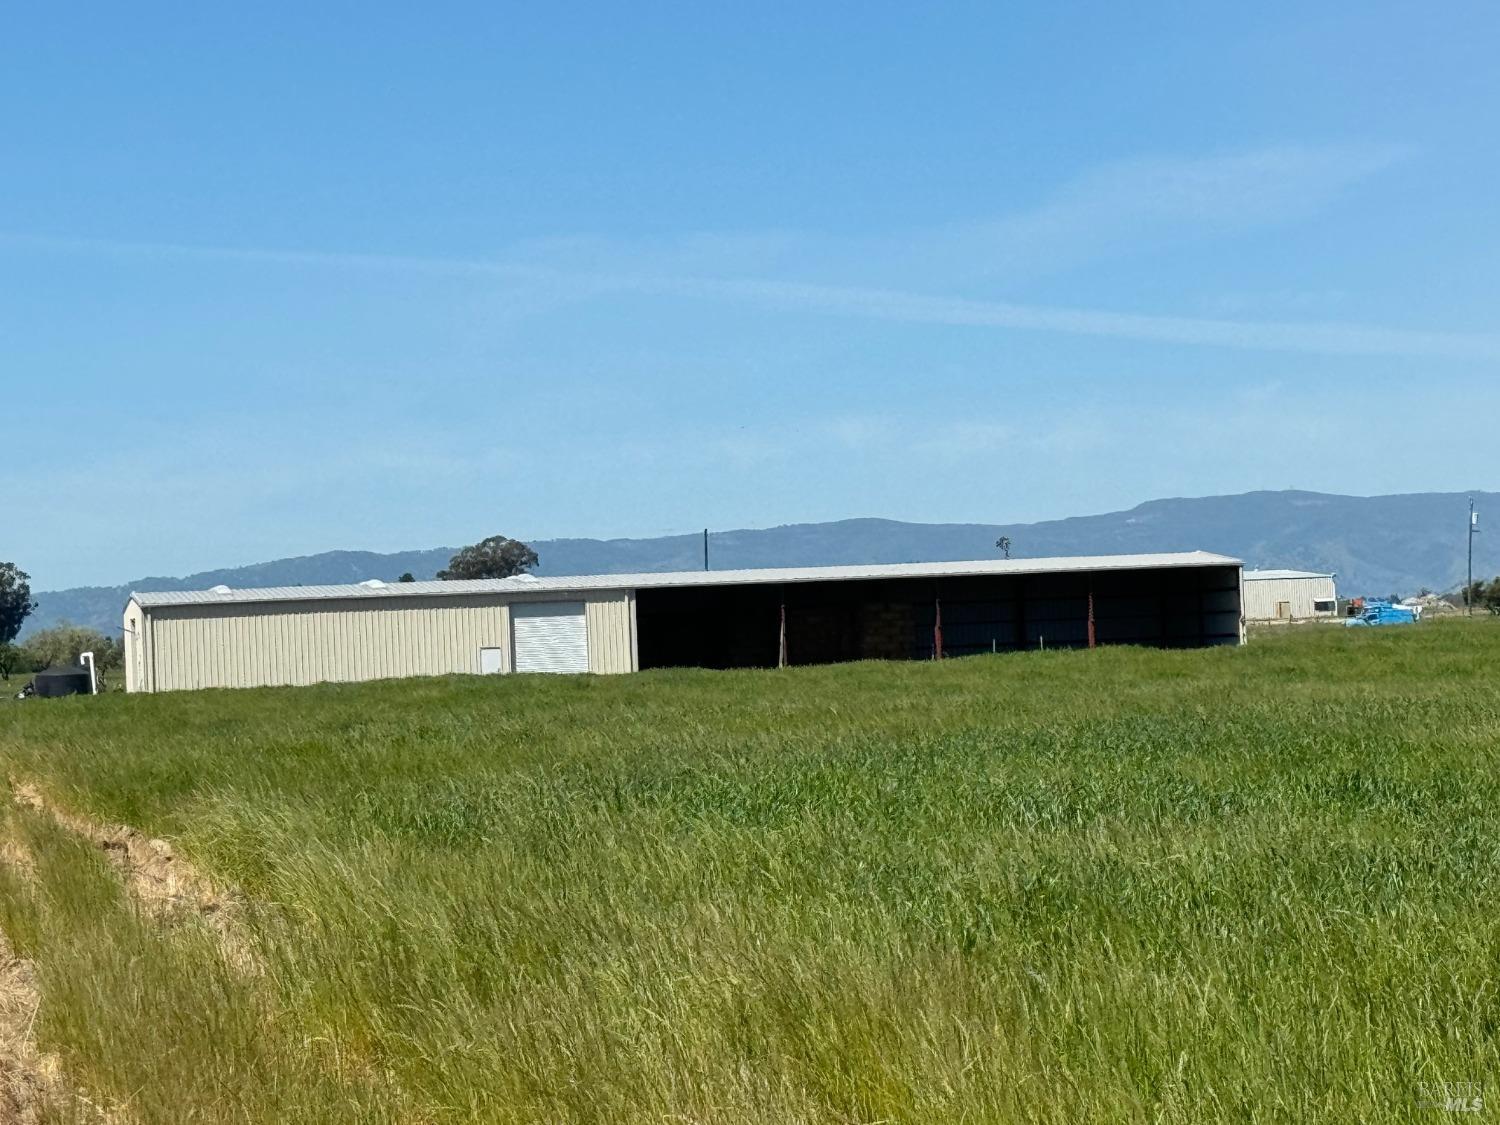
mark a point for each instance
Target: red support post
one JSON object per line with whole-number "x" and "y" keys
{"x": 1091, "y": 613}
{"x": 937, "y": 628}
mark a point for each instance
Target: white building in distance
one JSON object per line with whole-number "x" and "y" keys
{"x": 1289, "y": 595}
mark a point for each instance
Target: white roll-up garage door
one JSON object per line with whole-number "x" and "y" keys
{"x": 550, "y": 637}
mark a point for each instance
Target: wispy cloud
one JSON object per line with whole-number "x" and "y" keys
{"x": 277, "y": 257}
{"x": 962, "y": 440}
{"x": 1120, "y": 203}
{"x": 859, "y": 431}
{"x": 876, "y": 304}
{"x": 887, "y": 304}
{"x": 1153, "y": 199}
{"x": 1120, "y": 207}
{"x": 917, "y": 308}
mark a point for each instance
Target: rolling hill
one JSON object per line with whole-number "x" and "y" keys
{"x": 1376, "y": 545}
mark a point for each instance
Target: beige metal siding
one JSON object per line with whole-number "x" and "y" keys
{"x": 1262, "y": 594}
{"x": 269, "y": 644}
{"x": 313, "y": 642}
{"x": 148, "y": 651}
{"x": 611, "y": 627}
{"x": 131, "y": 633}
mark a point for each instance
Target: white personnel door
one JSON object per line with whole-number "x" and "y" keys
{"x": 550, "y": 637}
{"x": 489, "y": 661}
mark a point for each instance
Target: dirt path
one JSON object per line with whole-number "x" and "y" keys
{"x": 33, "y": 1086}
{"x": 166, "y": 886}
{"x": 31, "y": 1081}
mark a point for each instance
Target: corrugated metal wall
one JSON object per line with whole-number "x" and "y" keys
{"x": 611, "y": 625}
{"x": 130, "y": 636}
{"x": 184, "y": 647}
{"x": 1263, "y": 594}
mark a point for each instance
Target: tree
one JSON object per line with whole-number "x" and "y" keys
{"x": 407, "y": 577}
{"x": 1483, "y": 595}
{"x": 495, "y": 557}
{"x": 15, "y": 600}
{"x": 61, "y": 644}
{"x": 13, "y": 661}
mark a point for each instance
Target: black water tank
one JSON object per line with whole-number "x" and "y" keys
{"x": 70, "y": 680}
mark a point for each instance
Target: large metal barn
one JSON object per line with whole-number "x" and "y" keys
{"x": 709, "y": 619}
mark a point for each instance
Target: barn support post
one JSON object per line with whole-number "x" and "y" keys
{"x": 1202, "y": 613}
{"x": 1091, "y": 614}
{"x": 781, "y": 642}
{"x": 937, "y": 627}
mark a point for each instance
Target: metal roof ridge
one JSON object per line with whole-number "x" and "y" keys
{"x": 1272, "y": 572}
{"x": 746, "y": 575}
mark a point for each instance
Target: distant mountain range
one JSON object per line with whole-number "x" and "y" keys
{"x": 1376, "y": 545}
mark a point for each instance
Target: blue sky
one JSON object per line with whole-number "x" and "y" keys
{"x": 276, "y": 280}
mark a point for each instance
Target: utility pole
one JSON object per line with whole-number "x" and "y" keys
{"x": 1473, "y": 531}
{"x": 705, "y": 548}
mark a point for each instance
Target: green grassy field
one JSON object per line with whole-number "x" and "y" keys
{"x": 1254, "y": 884}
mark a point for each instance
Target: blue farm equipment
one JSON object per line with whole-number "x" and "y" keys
{"x": 1386, "y": 613}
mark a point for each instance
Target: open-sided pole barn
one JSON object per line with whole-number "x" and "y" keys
{"x": 712, "y": 619}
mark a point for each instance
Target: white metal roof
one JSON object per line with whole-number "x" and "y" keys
{"x": 1264, "y": 575}
{"x": 530, "y": 584}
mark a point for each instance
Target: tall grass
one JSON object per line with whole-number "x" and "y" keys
{"x": 1115, "y": 886}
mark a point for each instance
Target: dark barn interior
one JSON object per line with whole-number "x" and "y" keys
{"x": 826, "y": 622}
